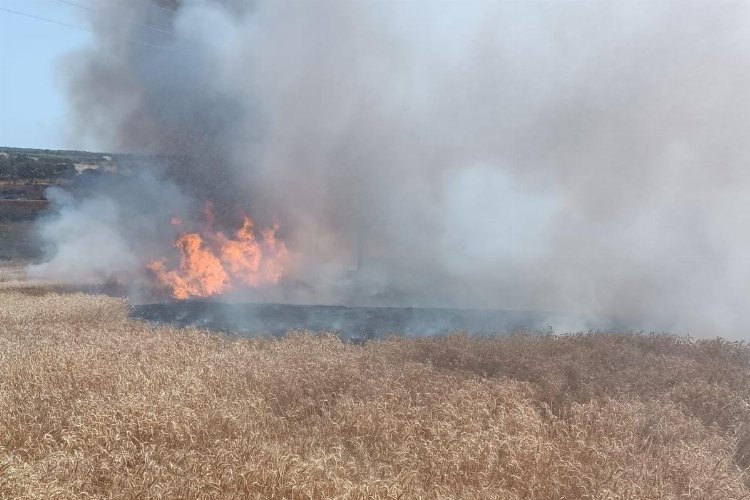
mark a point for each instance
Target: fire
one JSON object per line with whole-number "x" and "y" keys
{"x": 211, "y": 263}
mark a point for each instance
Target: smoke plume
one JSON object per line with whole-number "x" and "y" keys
{"x": 588, "y": 157}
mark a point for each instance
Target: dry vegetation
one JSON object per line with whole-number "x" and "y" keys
{"x": 95, "y": 405}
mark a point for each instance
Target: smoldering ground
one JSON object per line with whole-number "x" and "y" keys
{"x": 570, "y": 156}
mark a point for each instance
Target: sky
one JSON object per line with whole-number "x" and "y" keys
{"x": 32, "y": 88}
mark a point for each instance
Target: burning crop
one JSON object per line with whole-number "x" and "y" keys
{"x": 211, "y": 263}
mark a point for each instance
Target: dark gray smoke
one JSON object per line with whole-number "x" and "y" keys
{"x": 570, "y": 156}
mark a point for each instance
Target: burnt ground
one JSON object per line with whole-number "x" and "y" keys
{"x": 21, "y": 202}
{"x": 18, "y": 239}
{"x": 352, "y": 323}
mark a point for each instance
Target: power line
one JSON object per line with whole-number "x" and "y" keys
{"x": 84, "y": 7}
{"x": 60, "y": 23}
{"x": 156, "y": 6}
{"x": 66, "y": 2}
{"x": 40, "y": 18}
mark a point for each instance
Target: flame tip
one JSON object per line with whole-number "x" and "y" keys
{"x": 210, "y": 263}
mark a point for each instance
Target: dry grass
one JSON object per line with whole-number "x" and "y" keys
{"x": 95, "y": 405}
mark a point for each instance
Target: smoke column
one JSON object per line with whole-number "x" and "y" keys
{"x": 572, "y": 156}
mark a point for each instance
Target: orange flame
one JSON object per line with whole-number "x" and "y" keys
{"x": 212, "y": 263}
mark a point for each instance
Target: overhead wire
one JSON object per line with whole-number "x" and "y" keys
{"x": 91, "y": 9}
{"x": 156, "y": 6}
{"x": 40, "y": 18}
{"x": 74, "y": 26}
{"x": 68, "y": 2}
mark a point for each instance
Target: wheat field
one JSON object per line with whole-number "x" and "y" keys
{"x": 96, "y": 405}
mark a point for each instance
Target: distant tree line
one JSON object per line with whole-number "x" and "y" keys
{"x": 25, "y": 167}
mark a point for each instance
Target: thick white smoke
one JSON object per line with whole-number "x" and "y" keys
{"x": 575, "y": 156}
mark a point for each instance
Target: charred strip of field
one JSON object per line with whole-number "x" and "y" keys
{"x": 352, "y": 323}
{"x": 21, "y": 210}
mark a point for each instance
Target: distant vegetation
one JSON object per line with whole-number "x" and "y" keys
{"x": 52, "y": 166}
{"x": 25, "y": 176}
{"x": 73, "y": 156}
{"x": 20, "y": 168}
{"x": 27, "y": 167}
{"x": 96, "y": 405}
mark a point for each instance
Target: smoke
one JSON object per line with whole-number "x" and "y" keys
{"x": 103, "y": 232}
{"x": 586, "y": 157}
